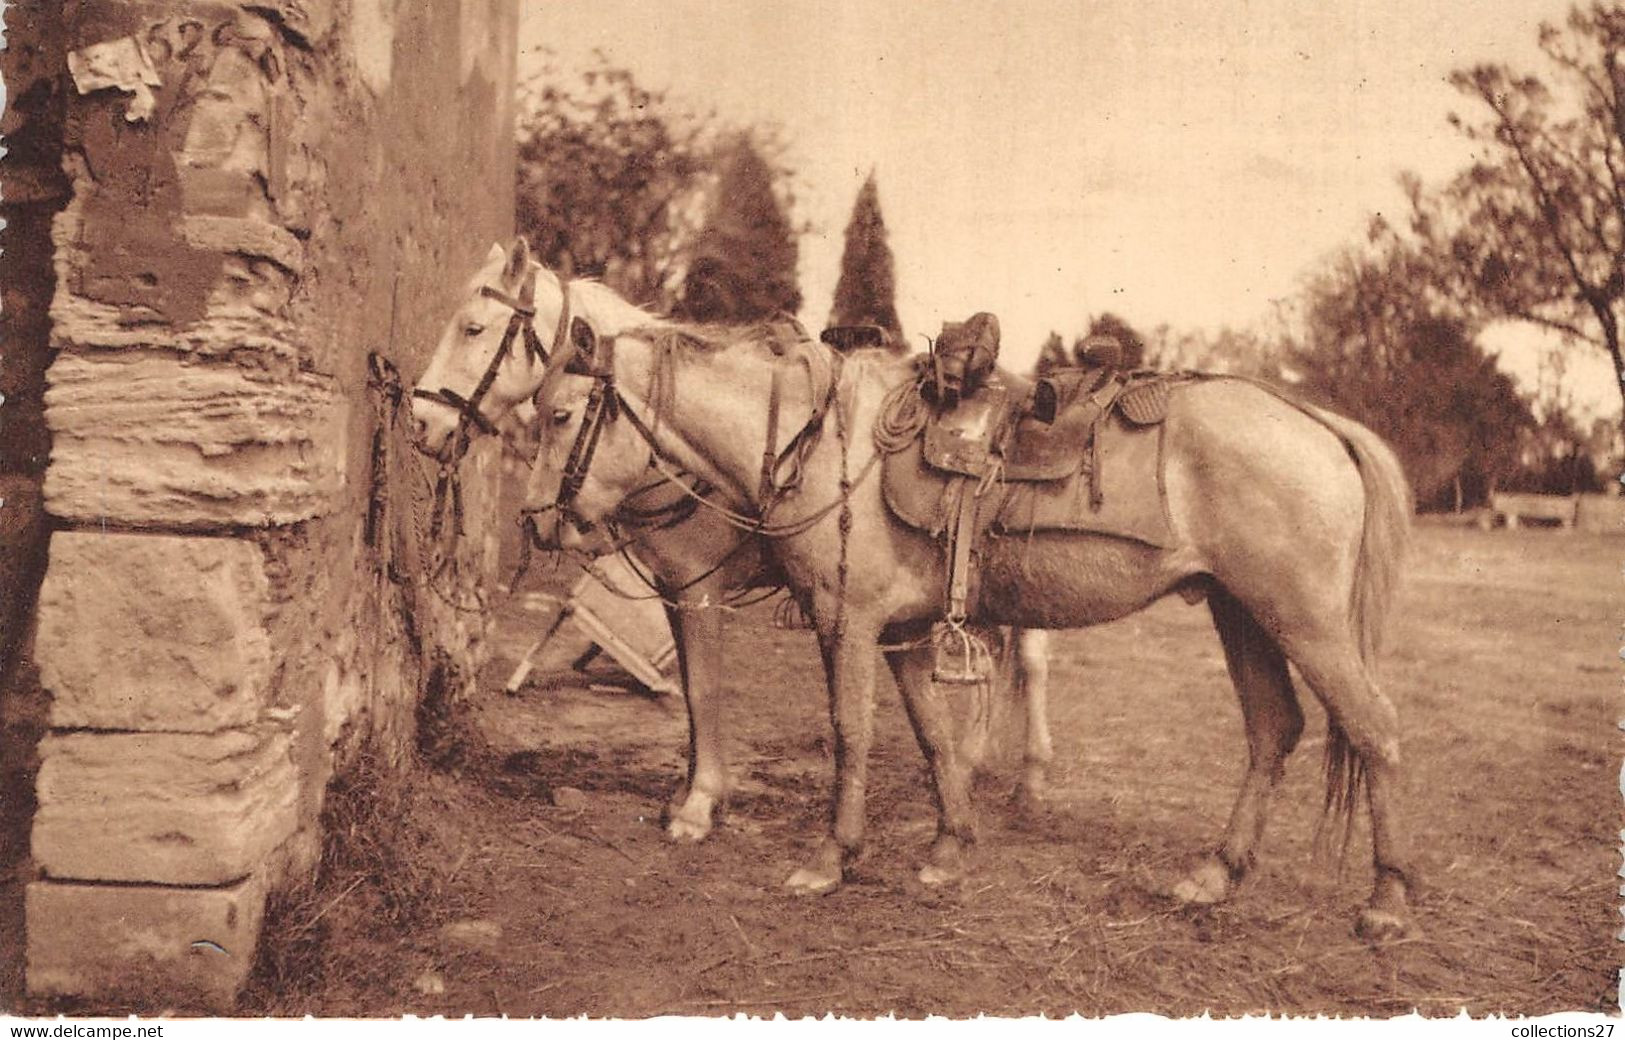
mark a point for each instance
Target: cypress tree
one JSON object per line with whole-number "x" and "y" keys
{"x": 867, "y": 293}
{"x": 744, "y": 266}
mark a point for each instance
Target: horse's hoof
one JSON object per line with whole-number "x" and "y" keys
{"x": 682, "y": 829}
{"x": 1030, "y": 797}
{"x": 946, "y": 862}
{"x": 1381, "y": 926}
{"x": 1209, "y": 883}
{"x": 809, "y": 881}
{"x": 689, "y": 815}
{"x": 931, "y": 874}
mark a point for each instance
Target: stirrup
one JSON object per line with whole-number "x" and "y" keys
{"x": 962, "y": 656}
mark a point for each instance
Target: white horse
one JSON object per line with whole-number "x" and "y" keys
{"x": 1291, "y": 519}
{"x": 696, "y": 555}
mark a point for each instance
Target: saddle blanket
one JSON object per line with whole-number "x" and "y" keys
{"x": 1133, "y": 505}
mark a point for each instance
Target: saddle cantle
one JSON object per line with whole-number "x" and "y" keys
{"x": 1048, "y": 439}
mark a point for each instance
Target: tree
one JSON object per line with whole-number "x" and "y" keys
{"x": 1243, "y": 352}
{"x": 744, "y": 266}
{"x": 866, "y": 293}
{"x": 1376, "y": 346}
{"x": 1109, "y": 324}
{"x": 1535, "y": 230}
{"x": 1052, "y": 355}
{"x": 607, "y": 179}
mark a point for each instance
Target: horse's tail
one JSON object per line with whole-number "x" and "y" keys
{"x": 1386, "y": 532}
{"x": 1384, "y": 538}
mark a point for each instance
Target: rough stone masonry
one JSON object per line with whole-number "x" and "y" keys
{"x": 262, "y": 215}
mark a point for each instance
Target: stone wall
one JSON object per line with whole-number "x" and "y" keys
{"x": 33, "y": 189}
{"x": 272, "y": 209}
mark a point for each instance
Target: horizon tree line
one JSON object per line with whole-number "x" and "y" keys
{"x": 691, "y": 217}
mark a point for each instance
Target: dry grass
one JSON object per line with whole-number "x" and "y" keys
{"x": 383, "y": 874}
{"x": 1501, "y": 663}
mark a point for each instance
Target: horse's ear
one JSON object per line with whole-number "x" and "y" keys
{"x": 497, "y": 255}
{"x": 518, "y": 261}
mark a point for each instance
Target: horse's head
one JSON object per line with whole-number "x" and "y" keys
{"x": 490, "y": 357}
{"x": 590, "y": 460}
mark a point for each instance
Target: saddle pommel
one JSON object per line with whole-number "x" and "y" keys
{"x": 962, "y": 358}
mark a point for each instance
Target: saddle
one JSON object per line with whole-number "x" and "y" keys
{"x": 1078, "y": 451}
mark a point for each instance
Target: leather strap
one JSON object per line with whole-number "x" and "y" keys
{"x": 962, "y": 534}
{"x": 770, "y": 453}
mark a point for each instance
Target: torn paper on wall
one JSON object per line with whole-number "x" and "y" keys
{"x": 120, "y": 64}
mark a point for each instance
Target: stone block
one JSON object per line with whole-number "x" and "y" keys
{"x": 154, "y": 632}
{"x": 171, "y": 808}
{"x": 179, "y": 946}
{"x": 150, "y": 440}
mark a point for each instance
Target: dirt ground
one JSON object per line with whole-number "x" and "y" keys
{"x": 517, "y": 895}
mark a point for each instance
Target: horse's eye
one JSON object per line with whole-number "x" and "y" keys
{"x": 561, "y": 416}
{"x": 473, "y": 329}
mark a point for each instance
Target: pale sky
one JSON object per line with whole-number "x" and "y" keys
{"x": 1174, "y": 162}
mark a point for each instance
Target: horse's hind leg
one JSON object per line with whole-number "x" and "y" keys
{"x": 699, "y": 654}
{"x": 934, "y": 728}
{"x": 1362, "y": 745}
{"x": 1032, "y": 679}
{"x": 1274, "y": 721}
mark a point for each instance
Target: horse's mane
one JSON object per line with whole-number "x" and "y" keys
{"x": 601, "y": 306}
{"x": 606, "y": 309}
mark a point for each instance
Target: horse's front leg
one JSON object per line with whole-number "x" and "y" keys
{"x": 848, "y": 648}
{"x": 697, "y": 626}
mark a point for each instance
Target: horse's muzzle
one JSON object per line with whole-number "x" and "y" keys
{"x": 432, "y": 438}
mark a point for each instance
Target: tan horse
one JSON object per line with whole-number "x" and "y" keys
{"x": 1291, "y": 519}
{"x": 697, "y": 561}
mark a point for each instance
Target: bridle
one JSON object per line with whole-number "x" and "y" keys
{"x": 521, "y": 328}
{"x": 604, "y": 403}
{"x": 781, "y": 469}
